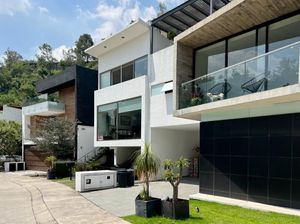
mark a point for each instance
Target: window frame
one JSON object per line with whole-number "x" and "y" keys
{"x": 121, "y": 71}
{"x": 256, "y": 28}
{"x": 117, "y": 117}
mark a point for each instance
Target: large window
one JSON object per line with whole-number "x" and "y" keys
{"x": 210, "y": 59}
{"x": 242, "y": 47}
{"x": 127, "y": 72}
{"x": 133, "y": 69}
{"x": 246, "y": 46}
{"x": 120, "y": 120}
{"x": 141, "y": 66}
{"x": 104, "y": 80}
{"x": 116, "y": 76}
{"x": 284, "y": 32}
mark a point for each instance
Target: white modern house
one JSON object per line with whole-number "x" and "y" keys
{"x": 233, "y": 68}
{"x": 134, "y": 101}
{"x": 9, "y": 113}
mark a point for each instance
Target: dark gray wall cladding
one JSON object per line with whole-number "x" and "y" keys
{"x": 255, "y": 159}
{"x": 86, "y": 84}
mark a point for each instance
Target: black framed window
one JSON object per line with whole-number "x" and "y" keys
{"x": 121, "y": 120}
{"x": 116, "y": 76}
{"x": 242, "y": 47}
{"x": 210, "y": 59}
{"x": 284, "y": 32}
{"x": 127, "y": 72}
{"x": 246, "y": 45}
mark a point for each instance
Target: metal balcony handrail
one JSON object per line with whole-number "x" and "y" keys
{"x": 240, "y": 63}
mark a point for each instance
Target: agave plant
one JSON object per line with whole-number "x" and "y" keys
{"x": 147, "y": 165}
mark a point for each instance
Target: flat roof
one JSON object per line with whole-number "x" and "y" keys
{"x": 187, "y": 14}
{"x": 66, "y": 78}
{"x": 132, "y": 31}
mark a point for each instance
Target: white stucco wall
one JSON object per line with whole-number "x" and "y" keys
{"x": 129, "y": 51}
{"x": 161, "y": 65}
{"x": 11, "y": 114}
{"x": 137, "y": 87}
{"x": 161, "y": 112}
{"x": 85, "y": 143}
{"x": 161, "y": 106}
{"x": 172, "y": 144}
{"x": 160, "y": 41}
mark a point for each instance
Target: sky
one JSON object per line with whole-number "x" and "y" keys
{"x": 27, "y": 24}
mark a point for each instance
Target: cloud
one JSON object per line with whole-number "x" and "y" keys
{"x": 171, "y": 3}
{"x": 43, "y": 9}
{"x": 58, "y": 53}
{"x": 112, "y": 16}
{"x": 10, "y": 7}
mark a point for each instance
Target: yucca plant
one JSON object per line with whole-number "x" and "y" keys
{"x": 147, "y": 165}
{"x": 50, "y": 160}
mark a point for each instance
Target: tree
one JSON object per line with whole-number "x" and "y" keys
{"x": 147, "y": 165}
{"x": 173, "y": 174}
{"x": 10, "y": 138}
{"x": 69, "y": 58}
{"x": 11, "y": 57}
{"x": 56, "y": 137}
{"x": 84, "y": 42}
{"x": 45, "y": 60}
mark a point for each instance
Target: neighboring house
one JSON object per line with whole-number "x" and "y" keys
{"x": 133, "y": 104}
{"x": 242, "y": 65}
{"x": 75, "y": 89}
{"x": 9, "y": 113}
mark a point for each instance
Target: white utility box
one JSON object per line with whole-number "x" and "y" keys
{"x": 14, "y": 166}
{"x": 94, "y": 180}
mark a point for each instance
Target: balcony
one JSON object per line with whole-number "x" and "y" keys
{"x": 267, "y": 76}
{"x": 45, "y": 108}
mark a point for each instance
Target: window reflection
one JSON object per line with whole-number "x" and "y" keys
{"x": 120, "y": 120}
{"x": 284, "y": 32}
{"x": 141, "y": 66}
{"x": 210, "y": 59}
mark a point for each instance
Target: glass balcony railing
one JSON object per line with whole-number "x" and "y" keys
{"x": 272, "y": 70}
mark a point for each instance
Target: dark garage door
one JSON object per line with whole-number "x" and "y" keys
{"x": 255, "y": 159}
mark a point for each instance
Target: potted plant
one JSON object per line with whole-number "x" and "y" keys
{"x": 195, "y": 100}
{"x": 50, "y": 160}
{"x": 175, "y": 208}
{"x": 197, "y": 97}
{"x": 147, "y": 165}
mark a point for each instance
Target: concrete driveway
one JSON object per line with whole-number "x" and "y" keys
{"x": 120, "y": 201}
{"x": 36, "y": 200}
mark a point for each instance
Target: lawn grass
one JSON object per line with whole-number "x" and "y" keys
{"x": 66, "y": 181}
{"x": 214, "y": 213}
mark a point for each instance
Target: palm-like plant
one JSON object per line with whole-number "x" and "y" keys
{"x": 147, "y": 165}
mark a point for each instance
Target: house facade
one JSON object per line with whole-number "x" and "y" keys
{"x": 74, "y": 100}
{"x": 134, "y": 100}
{"x": 237, "y": 72}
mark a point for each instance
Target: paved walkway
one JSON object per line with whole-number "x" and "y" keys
{"x": 120, "y": 201}
{"x": 31, "y": 200}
